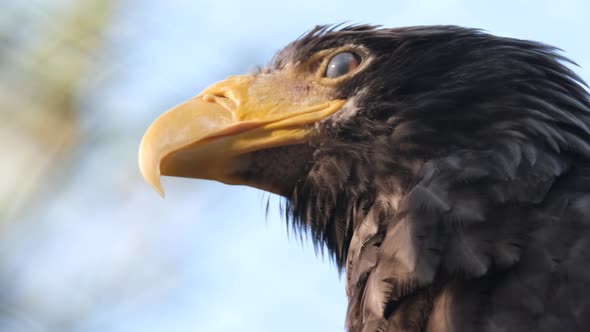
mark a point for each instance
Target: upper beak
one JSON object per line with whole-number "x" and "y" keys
{"x": 202, "y": 137}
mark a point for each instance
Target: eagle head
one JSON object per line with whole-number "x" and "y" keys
{"x": 413, "y": 154}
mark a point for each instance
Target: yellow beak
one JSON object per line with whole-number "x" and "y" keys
{"x": 203, "y": 136}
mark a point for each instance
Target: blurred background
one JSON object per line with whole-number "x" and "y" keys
{"x": 86, "y": 245}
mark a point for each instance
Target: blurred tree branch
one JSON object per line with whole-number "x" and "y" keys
{"x": 45, "y": 53}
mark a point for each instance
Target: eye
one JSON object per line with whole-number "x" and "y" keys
{"x": 342, "y": 64}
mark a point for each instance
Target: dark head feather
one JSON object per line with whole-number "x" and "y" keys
{"x": 430, "y": 93}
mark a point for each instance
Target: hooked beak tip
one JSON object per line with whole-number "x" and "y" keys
{"x": 150, "y": 170}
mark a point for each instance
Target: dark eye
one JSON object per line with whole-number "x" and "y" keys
{"x": 342, "y": 64}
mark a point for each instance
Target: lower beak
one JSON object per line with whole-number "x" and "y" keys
{"x": 202, "y": 137}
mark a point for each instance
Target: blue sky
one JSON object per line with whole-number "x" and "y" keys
{"x": 206, "y": 258}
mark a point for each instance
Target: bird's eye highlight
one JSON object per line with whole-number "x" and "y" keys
{"x": 342, "y": 64}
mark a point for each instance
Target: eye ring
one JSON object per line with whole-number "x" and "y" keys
{"x": 342, "y": 64}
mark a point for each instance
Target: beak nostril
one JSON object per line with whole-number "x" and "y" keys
{"x": 210, "y": 98}
{"x": 214, "y": 96}
{"x": 219, "y": 98}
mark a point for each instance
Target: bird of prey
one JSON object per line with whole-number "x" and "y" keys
{"x": 446, "y": 170}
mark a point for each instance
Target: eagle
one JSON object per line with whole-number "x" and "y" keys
{"x": 445, "y": 170}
